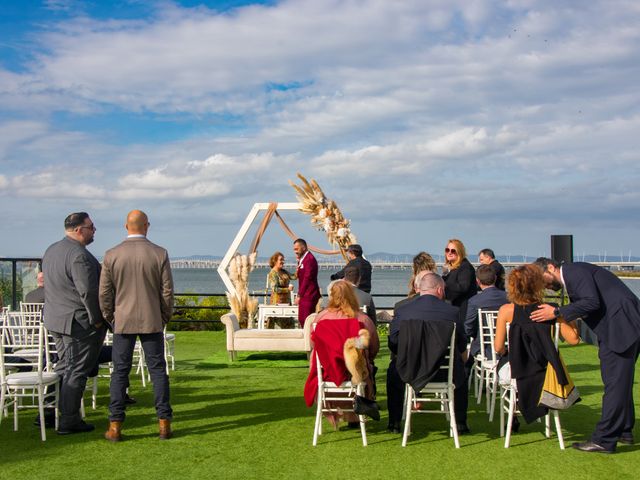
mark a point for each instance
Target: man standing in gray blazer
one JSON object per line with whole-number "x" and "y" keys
{"x": 72, "y": 315}
{"x": 136, "y": 297}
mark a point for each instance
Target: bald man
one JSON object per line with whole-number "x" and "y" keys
{"x": 136, "y": 297}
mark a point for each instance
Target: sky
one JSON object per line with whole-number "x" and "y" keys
{"x": 499, "y": 123}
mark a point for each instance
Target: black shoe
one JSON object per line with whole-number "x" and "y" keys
{"x": 463, "y": 429}
{"x": 626, "y": 438}
{"x": 364, "y": 406}
{"x": 590, "y": 447}
{"x": 49, "y": 419}
{"x": 515, "y": 425}
{"x": 129, "y": 400}
{"x": 353, "y": 425}
{"x": 394, "y": 427}
{"x": 81, "y": 427}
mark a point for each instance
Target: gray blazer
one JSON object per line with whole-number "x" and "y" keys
{"x": 136, "y": 287}
{"x": 71, "y": 274}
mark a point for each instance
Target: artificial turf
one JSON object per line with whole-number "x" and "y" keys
{"x": 247, "y": 419}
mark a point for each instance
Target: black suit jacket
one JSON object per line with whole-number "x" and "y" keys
{"x": 365, "y": 273}
{"x": 604, "y": 302}
{"x": 426, "y": 307}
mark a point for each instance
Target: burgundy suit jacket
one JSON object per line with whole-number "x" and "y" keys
{"x": 308, "y": 289}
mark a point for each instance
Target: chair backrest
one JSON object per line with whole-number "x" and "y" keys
{"x": 31, "y": 313}
{"x": 450, "y": 356}
{"x": 487, "y": 332}
{"x": 23, "y": 347}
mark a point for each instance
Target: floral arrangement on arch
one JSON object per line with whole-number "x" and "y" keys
{"x": 325, "y": 214}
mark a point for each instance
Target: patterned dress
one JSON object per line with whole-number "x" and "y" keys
{"x": 278, "y": 281}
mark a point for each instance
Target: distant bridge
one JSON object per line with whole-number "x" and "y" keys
{"x": 208, "y": 263}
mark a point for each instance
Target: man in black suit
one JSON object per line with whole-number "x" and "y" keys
{"x": 487, "y": 257}
{"x": 354, "y": 254}
{"x": 430, "y": 305}
{"x": 612, "y": 311}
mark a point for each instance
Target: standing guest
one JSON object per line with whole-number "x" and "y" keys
{"x": 37, "y": 295}
{"x": 136, "y": 296}
{"x": 459, "y": 276}
{"x": 278, "y": 280}
{"x": 365, "y": 300}
{"x": 422, "y": 262}
{"x": 354, "y": 254}
{"x": 307, "y": 275}
{"x": 73, "y": 315}
{"x": 487, "y": 257}
{"x": 489, "y": 298}
{"x": 612, "y": 311}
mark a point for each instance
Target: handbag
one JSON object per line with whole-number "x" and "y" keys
{"x": 557, "y": 396}
{"x": 364, "y": 406}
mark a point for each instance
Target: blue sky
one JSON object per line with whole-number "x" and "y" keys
{"x": 500, "y": 123}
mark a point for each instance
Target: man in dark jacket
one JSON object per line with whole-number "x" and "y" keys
{"x": 612, "y": 311}
{"x": 354, "y": 254}
{"x": 430, "y": 305}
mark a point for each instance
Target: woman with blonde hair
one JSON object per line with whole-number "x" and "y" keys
{"x": 459, "y": 275}
{"x": 422, "y": 262}
{"x": 278, "y": 280}
{"x": 531, "y": 345}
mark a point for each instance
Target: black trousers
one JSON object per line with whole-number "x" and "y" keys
{"x": 77, "y": 355}
{"x": 618, "y": 413}
{"x": 122, "y": 357}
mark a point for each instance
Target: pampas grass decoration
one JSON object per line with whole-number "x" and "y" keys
{"x": 243, "y": 306}
{"x": 325, "y": 214}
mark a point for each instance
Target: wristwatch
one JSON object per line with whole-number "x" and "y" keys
{"x": 556, "y": 312}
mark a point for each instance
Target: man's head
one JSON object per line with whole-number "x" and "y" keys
{"x": 353, "y": 251}
{"x": 79, "y": 227}
{"x": 485, "y": 276}
{"x": 486, "y": 256}
{"x": 432, "y": 284}
{"x": 352, "y": 275}
{"x": 137, "y": 223}
{"x": 550, "y": 272}
{"x": 299, "y": 247}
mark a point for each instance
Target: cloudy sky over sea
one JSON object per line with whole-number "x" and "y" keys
{"x": 500, "y": 123}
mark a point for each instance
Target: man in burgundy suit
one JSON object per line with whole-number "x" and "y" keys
{"x": 307, "y": 275}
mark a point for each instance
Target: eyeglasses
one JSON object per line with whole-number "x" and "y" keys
{"x": 450, "y": 250}
{"x": 89, "y": 227}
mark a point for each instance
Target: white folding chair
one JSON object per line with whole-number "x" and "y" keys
{"x": 169, "y": 349}
{"x": 31, "y": 313}
{"x": 16, "y": 386}
{"x": 434, "y": 392}
{"x": 487, "y": 359}
{"x": 509, "y": 407}
{"x": 108, "y": 340}
{"x": 330, "y": 393}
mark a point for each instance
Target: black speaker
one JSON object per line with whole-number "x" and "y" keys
{"x": 562, "y": 248}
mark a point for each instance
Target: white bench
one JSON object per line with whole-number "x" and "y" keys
{"x": 254, "y": 339}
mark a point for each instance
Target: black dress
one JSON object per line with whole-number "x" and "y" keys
{"x": 460, "y": 285}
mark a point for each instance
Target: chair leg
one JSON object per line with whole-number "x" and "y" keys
{"x": 556, "y": 418}
{"x": 94, "y": 393}
{"x": 481, "y": 385}
{"x": 547, "y": 425}
{"x": 318, "y": 425}
{"x": 407, "y": 420}
{"x": 452, "y": 421}
{"x": 43, "y": 432}
{"x": 512, "y": 407}
{"x": 363, "y": 430}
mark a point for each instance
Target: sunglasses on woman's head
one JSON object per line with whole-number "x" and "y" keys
{"x": 450, "y": 250}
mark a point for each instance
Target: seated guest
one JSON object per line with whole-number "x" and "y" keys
{"x": 422, "y": 262}
{"x": 37, "y": 295}
{"x": 365, "y": 300}
{"x": 487, "y": 257}
{"x": 531, "y": 345}
{"x": 459, "y": 275}
{"x": 489, "y": 298}
{"x": 344, "y": 305}
{"x": 430, "y": 305}
{"x": 354, "y": 254}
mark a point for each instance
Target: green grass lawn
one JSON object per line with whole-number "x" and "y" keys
{"x": 247, "y": 419}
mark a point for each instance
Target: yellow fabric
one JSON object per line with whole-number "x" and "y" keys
{"x": 557, "y": 396}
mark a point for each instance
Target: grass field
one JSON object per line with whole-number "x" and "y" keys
{"x": 247, "y": 419}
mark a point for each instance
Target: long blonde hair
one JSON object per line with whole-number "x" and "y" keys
{"x": 342, "y": 299}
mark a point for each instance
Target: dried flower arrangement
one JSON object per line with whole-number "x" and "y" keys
{"x": 242, "y": 304}
{"x": 325, "y": 214}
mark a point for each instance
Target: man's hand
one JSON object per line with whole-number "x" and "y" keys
{"x": 543, "y": 313}
{"x": 296, "y": 301}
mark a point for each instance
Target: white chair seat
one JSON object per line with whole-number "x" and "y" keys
{"x": 26, "y": 352}
{"x": 30, "y": 378}
{"x": 170, "y": 337}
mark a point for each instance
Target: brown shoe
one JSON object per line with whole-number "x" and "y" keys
{"x": 165, "y": 429}
{"x": 113, "y": 434}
